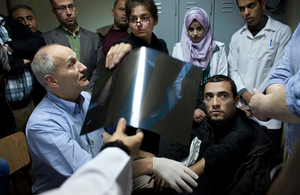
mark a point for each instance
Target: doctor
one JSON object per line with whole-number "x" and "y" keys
{"x": 254, "y": 51}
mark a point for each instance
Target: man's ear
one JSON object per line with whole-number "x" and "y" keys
{"x": 51, "y": 80}
{"x": 263, "y": 4}
{"x": 53, "y": 11}
{"x": 112, "y": 12}
{"x": 236, "y": 101}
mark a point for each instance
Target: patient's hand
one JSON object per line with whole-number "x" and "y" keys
{"x": 175, "y": 174}
{"x": 159, "y": 183}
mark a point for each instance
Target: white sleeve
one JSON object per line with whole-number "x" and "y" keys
{"x": 222, "y": 65}
{"x": 233, "y": 64}
{"x": 108, "y": 173}
{"x": 174, "y": 52}
{"x": 177, "y": 52}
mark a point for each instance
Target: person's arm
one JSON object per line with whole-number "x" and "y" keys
{"x": 199, "y": 115}
{"x": 176, "y": 50}
{"x": 116, "y": 53}
{"x": 233, "y": 57}
{"x": 24, "y": 45}
{"x": 272, "y": 105}
{"x": 142, "y": 167}
{"x": 280, "y": 79}
{"x": 174, "y": 173}
{"x": 56, "y": 148}
{"x": 198, "y": 167}
{"x": 4, "y": 64}
{"x": 144, "y": 154}
{"x": 141, "y": 154}
{"x": 109, "y": 172}
{"x": 24, "y": 42}
{"x": 222, "y": 64}
{"x": 106, "y": 137}
{"x": 177, "y": 152}
{"x": 247, "y": 96}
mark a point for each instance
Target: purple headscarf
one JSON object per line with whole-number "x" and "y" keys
{"x": 200, "y": 53}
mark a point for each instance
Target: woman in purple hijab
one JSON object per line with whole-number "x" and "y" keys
{"x": 198, "y": 47}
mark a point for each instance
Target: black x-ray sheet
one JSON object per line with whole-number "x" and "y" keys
{"x": 151, "y": 90}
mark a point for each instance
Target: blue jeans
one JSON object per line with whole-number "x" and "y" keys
{"x": 4, "y": 173}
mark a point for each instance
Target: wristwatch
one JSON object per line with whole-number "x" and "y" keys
{"x": 248, "y": 109}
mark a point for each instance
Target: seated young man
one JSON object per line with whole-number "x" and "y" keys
{"x": 229, "y": 138}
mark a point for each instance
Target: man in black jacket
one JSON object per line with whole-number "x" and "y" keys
{"x": 16, "y": 88}
{"x": 228, "y": 137}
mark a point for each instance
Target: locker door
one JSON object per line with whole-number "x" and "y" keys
{"x": 166, "y": 27}
{"x": 184, "y": 5}
{"x": 227, "y": 20}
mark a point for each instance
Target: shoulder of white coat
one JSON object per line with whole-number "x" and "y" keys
{"x": 220, "y": 44}
{"x": 177, "y": 44}
{"x": 279, "y": 26}
{"x": 176, "y": 47}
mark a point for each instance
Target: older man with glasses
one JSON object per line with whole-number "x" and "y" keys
{"x": 84, "y": 43}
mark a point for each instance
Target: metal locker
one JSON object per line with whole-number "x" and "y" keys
{"x": 227, "y": 20}
{"x": 166, "y": 27}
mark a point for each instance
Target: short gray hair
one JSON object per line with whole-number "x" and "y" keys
{"x": 42, "y": 65}
{"x": 12, "y": 11}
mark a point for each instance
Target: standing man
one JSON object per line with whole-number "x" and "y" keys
{"x": 254, "y": 51}
{"x": 84, "y": 43}
{"x": 119, "y": 30}
{"x": 282, "y": 93}
{"x": 26, "y": 16}
{"x": 16, "y": 100}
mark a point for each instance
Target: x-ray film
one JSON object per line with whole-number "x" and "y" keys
{"x": 151, "y": 90}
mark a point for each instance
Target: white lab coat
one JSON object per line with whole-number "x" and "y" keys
{"x": 218, "y": 60}
{"x": 252, "y": 59}
{"x": 108, "y": 173}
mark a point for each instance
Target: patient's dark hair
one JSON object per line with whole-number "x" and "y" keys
{"x": 220, "y": 78}
{"x": 259, "y": 1}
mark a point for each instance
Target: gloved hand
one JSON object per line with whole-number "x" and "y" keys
{"x": 175, "y": 173}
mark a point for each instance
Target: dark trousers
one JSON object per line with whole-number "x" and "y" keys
{"x": 275, "y": 138}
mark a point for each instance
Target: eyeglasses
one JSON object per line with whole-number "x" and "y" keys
{"x": 63, "y": 8}
{"x": 133, "y": 21}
